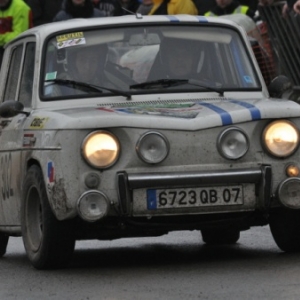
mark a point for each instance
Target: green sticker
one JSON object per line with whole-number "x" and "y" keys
{"x": 51, "y": 75}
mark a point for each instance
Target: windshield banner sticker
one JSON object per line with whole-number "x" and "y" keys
{"x": 69, "y": 40}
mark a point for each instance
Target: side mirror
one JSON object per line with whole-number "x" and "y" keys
{"x": 279, "y": 86}
{"x": 11, "y": 108}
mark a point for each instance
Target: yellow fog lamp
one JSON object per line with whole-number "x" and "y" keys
{"x": 292, "y": 170}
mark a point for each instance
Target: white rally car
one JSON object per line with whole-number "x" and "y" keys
{"x": 94, "y": 145}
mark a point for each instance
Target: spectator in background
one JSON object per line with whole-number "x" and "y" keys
{"x": 228, "y": 7}
{"x": 43, "y": 11}
{"x": 252, "y": 4}
{"x": 129, "y": 6}
{"x": 15, "y": 17}
{"x": 296, "y": 7}
{"x": 117, "y": 7}
{"x": 77, "y": 9}
{"x": 173, "y": 7}
{"x": 145, "y": 7}
{"x": 206, "y": 5}
{"x": 286, "y": 8}
{"x": 109, "y": 7}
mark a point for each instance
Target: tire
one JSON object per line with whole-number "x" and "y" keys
{"x": 49, "y": 243}
{"x": 285, "y": 229}
{"x": 220, "y": 236}
{"x": 3, "y": 243}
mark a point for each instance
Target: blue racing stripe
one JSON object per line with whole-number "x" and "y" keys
{"x": 225, "y": 116}
{"x": 202, "y": 19}
{"x": 173, "y": 19}
{"x": 255, "y": 112}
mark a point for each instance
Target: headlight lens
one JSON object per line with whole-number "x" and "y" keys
{"x": 93, "y": 206}
{"x": 281, "y": 138}
{"x": 100, "y": 149}
{"x": 152, "y": 147}
{"x": 233, "y": 143}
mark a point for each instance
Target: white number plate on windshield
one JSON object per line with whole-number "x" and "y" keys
{"x": 194, "y": 197}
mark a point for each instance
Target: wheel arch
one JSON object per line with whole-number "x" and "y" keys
{"x": 55, "y": 193}
{"x": 31, "y": 162}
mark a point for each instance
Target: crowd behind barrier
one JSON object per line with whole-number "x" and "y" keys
{"x": 284, "y": 33}
{"x": 278, "y": 51}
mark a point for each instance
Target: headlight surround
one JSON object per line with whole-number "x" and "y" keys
{"x": 233, "y": 143}
{"x": 101, "y": 149}
{"x": 152, "y": 147}
{"x": 281, "y": 138}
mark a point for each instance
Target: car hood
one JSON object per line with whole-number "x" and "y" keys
{"x": 191, "y": 115}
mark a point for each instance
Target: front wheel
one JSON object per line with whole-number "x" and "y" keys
{"x": 285, "y": 228}
{"x": 217, "y": 236}
{"x": 3, "y": 243}
{"x": 49, "y": 243}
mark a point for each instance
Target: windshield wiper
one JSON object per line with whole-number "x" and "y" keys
{"x": 162, "y": 83}
{"x": 91, "y": 87}
{"x": 159, "y": 83}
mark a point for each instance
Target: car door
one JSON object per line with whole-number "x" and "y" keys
{"x": 18, "y": 86}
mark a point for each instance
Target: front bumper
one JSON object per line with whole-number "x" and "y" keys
{"x": 256, "y": 184}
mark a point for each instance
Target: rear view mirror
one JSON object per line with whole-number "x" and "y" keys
{"x": 11, "y": 108}
{"x": 279, "y": 86}
{"x": 144, "y": 39}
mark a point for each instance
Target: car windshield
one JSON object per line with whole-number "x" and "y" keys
{"x": 146, "y": 59}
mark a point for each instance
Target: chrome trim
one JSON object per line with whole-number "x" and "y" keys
{"x": 219, "y": 142}
{"x": 140, "y": 180}
{"x": 83, "y": 143}
{"x": 140, "y": 140}
{"x": 263, "y": 138}
{"x": 91, "y": 192}
{"x": 279, "y": 192}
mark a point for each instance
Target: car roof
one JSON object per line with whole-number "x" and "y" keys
{"x": 78, "y": 24}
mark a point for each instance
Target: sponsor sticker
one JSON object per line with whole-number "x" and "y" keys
{"x": 248, "y": 79}
{"x": 175, "y": 110}
{"x": 51, "y": 75}
{"x": 28, "y": 139}
{"x": 50, "y": 172}
{"x": 38, "y": 123}
{"x": 70, "y": 39}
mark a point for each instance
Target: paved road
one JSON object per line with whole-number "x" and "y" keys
{"x": 175, "y": 266}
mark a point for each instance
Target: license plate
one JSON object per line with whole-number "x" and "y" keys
{"x": 194, "y": 197}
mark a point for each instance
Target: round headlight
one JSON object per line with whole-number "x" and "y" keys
{"x": 100, "y": 149}
{"x": 233, "y": 143}
{"x": 152, "y": 147}
{"x": 289, "y": 192}
{"x": 281, "y": 138}
{"x": 92, "y": 206}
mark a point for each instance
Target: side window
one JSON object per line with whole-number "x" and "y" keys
{"x": 13, "y": 74}
{"x": 26, "y": 87}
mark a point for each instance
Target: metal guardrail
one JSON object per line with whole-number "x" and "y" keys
{"x": 284, "y": 33}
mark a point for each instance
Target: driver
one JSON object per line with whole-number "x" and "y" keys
{"x": 83, "y": 64}
{"x": 180, "y": 60}
{"x": 176, "y": 59}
